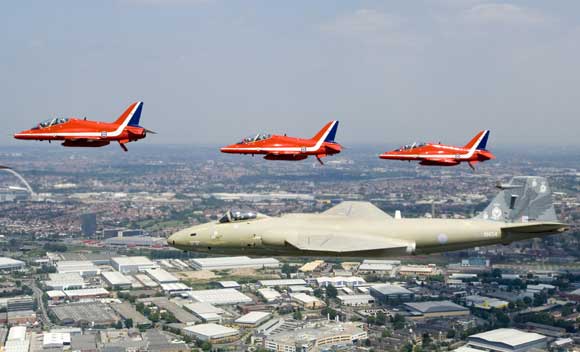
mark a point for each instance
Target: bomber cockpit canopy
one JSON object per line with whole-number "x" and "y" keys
{"x": 411, "y": 146}
{"x": 52, "y": 122}
{"x": 258, "y": 137}
{"x": 237, "y": 215}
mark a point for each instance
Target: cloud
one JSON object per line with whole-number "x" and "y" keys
{"x": 371, "y": 27}
{"x": 363, "y": 21}
{"x": 506, "y": 14}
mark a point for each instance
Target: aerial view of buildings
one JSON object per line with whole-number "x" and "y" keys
{"x": 289, "y": 176}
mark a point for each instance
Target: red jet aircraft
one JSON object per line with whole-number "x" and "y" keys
{"x": 444, "y": 155}
{"x": 85, "y": 133}
{"x": 277, "y": 147}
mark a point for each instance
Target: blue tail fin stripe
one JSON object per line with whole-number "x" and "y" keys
{"x": 483, "y": 144}
{"x": 332, "y": 134}
{"x": 136, "y": 116}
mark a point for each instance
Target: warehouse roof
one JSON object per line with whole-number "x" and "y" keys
{"x": 253, "y": 318}
{"x": 202, "y": 308}
{"x": 511, "y": 337}
{"x": 161, "y": 275}
{"x": 139, "y": 260}
{"x": 269, "y": 294}
{"x": 6, "y": 262}
{"x": 116, "y": 278}
{"x": 282, "y": 282}
{"x": 388, "y": 289}
{"x": 435, "y": 307}
{"x": 211, "y": 330}
{"x": 220, "y": 296}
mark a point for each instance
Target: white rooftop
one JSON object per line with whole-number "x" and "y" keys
{"x": 8, "y": 262}
{"x": 253, "y": 318}
{"x": 220, "y": 296}
{"x": 511, "y": 337}
{"x": 139, "y": 260}
{"x": 282, "y": 282}
{"x": 116, "y": 278}
{"x": 211, "y": 330}
{"x": 161, "y": 275}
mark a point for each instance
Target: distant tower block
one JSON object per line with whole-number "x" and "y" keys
{"x": 89, "y": 224}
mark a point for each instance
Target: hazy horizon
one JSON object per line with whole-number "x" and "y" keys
{"x": 211, "y": 72}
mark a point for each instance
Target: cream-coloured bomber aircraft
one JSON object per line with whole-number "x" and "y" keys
{"x": 523, "y": 209}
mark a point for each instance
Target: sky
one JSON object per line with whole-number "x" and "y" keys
{"x": 214, "y": 71}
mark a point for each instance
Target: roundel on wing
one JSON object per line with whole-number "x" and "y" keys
{"x": 496, "y": 212}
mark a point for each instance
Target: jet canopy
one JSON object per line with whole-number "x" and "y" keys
{"x": 52, "y": 122}
{"x": 411, "y": 146}
{"x": 258, "y": 137}
{"x": 237, "y": 215}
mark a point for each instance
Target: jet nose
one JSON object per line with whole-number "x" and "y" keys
{"x": 229, "y": 148}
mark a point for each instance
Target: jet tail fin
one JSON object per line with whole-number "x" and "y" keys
{"x": 523, "y": 199}
{"x": 131, "y": 116}
{"x": 328, "y": 132}
{"x": 478, "y": 142}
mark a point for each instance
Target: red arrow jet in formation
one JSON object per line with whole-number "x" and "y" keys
{"x": 276, "y": 147}
{"x": 444, "y": 155}
{"x": 85, "y": 133}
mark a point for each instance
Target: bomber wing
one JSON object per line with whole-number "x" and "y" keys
{"x": 361, "y": 210}
{"x": 352, "y": 243}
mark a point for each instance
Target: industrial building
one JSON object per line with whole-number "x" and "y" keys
{"x": 116, "y": 280}
{"x": 269, "y": 294}
{"x": 419, "y": 271}
{"x": 85, "y": 314}
{"x": 161, "y": 276}
{"x": 223, "y": 263}
{"x": 340, "y": 281}
{"x": 378, "y": 266}
{"x": 205, "y": 311}
{"x": 132, "y": 264}
{"x": 282, "y": 282}
{"x": 253, "y": 319}
{"x": 229, "y": 284}
{"x": 65, "y": 281}
{"x": 9, "y": 264}
{"x": 175, "y": 288}
{"x": 486, "y": 303}
{"x": 311, "y": 266}
{"x": 212, "y": 333}
{"x": 356, "y": 300}
{"x": 220, "y": 296}
{"x": 390, "y": 293}
{"x": 308, "y": 302}
{"x": 18, "y": 340}
{"x": 127, "y": 311}
{"x": 84, "y": 268}
{"x": 435, "y": 309}
{"x": 316, "y": 338}
{"x": 507, "y": 340}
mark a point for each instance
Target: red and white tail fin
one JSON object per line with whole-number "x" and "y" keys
{"x": 327, "y": 133}
{"x": 131, "y": 116}
{"x": 479, "y": 141}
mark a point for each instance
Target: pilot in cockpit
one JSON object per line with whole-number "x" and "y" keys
{"x": 237, "y": 215}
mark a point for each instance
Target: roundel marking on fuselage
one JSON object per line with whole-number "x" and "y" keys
{"x": 442, "y": 238}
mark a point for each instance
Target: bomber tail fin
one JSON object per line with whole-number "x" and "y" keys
{"x": 478, "y": 142}
{"x": 131, "y": 116}
{"x": 523, "y": 199}
{"x": 327, "y": 133}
